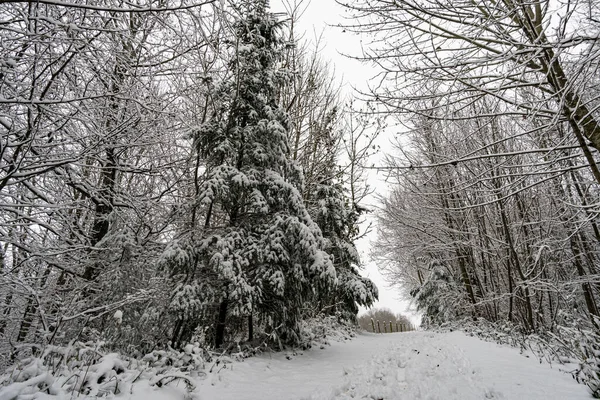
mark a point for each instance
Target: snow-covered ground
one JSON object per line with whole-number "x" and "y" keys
{"x": 416, "y": 365}
{"x": 410, "y": 366}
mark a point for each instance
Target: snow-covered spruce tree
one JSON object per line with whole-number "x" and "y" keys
{"x": 439, "y": 297}
{"x": 319, "y": 134}
{"x": 260, "y": 255}
{"x": 333, "y": 206}
{"x": 338, "y": 221}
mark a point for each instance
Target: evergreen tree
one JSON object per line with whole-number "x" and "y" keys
{"x": 260, "y": 254}
{"x": 338, "y": 222}
{"x": 334, "y": 209}
{"x": 439, "y": 297}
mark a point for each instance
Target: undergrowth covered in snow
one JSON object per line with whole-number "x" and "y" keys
{"x": 85, "y": 369}
{"x": 318, "y": 331}
{"x": 89, "y": 369}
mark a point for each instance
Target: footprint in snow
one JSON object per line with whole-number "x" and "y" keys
{"x": 493, "y": 394}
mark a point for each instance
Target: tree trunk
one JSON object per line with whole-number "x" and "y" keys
{"x": 220, "y": 331}
{"x": 250, "y": 328}
{"x": 586, "y": 287}
{"x": 5, "y": 313}
{"x": 103, "y": 209}
{"x": 27, "y": 320}
{"x": 517, "y": 264}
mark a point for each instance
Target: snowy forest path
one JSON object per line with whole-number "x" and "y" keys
{"x": 415, "y": 365}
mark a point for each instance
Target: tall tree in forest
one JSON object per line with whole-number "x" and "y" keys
{"x": 338, "y": 220}
{"x": 328, "y": 142}
{"x": 259, "y": 249}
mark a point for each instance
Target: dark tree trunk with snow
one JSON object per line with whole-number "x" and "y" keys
{"x": 221, "y": 325}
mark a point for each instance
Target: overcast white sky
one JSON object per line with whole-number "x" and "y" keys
{"x": 324, "y": 17}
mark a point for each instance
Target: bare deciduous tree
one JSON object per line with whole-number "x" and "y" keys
{"x": 534, "y": 58}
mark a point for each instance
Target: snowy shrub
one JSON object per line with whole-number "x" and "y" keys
{"x": 192, "y": 358}
{"x": 440, "y": 297}
{"x": 318, "y": 331}
{"x": 78, "y": 369}
{"x": 581, "y": 347}
{"x": 83, "y": 369}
